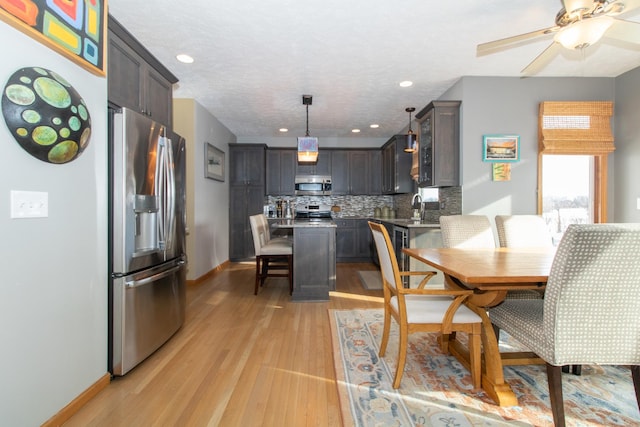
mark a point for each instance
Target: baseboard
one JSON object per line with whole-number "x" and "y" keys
{"x": 209, "y": 274}
{"x": 74, "y": 406}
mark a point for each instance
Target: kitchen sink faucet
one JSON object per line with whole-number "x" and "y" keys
{"x": 416, "y": 204}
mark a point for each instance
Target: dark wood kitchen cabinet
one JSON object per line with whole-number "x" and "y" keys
{"x": 281, "y": 171}
{"x": 136, "y": 79}
{"x": 375, "y": 172}
{"x": 354, "y": 172}
{"x": 353, "y": 240}
{"x": 439, "y": 142}
{"x": 396, "y": 167}
{"x": 321, "y": 167}
{"x": 246, "y": 196}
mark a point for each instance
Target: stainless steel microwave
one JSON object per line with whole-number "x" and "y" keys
{"x": 313, "y": 185}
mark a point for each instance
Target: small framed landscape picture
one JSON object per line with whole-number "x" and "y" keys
{"x": 213, "y": 162}
{"x": 501, "y": 148}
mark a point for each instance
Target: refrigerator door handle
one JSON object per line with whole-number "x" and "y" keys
{"x": 159, "y": 191}
{"x": 170, "y": 213}
{"x": 155, "y": 277}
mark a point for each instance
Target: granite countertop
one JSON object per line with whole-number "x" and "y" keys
{"x": 409, "y": 223}
{"x": 401, "y": 222}
{"x": 301, "y": 223}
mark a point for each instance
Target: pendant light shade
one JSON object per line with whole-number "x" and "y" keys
{"x": 307, "y": 145}
{"x": 410, "y": 143}
{"x": 307, "y": 149}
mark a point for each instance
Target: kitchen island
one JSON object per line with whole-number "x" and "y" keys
{"x": 314, "y": 258}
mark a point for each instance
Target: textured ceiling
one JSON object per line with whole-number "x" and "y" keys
{"x": 254, "y": 59}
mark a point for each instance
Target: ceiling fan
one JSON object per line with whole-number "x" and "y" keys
{"x": 579, "y": 24}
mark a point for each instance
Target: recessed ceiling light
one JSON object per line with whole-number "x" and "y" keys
{"x": 406, "y": 83}
{"x": 374, "y": 126}
{"x": 186, "y": 59}
{"x": 355, "y": 130}
{"x": 283, "y": 130}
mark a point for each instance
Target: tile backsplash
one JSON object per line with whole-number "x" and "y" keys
{"x": 449, "y": 203}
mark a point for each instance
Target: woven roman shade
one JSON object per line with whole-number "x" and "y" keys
{"x": 575, "y": 127}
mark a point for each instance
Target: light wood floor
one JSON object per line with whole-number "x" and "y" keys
{"x": 239, "y": 360}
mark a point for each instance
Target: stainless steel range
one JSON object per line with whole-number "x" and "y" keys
{"x": 314, "y": 212}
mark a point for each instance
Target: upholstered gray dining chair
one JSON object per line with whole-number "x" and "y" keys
{"x": 466, "y": 231}
{"x": 274, "y": 256}
{"x": 590, "y": 311}
{"x": 519, "y": 231}
{"x": 523, "y": 231}
{"x": 474, "y": 232}
{"x": 423, "y": 310}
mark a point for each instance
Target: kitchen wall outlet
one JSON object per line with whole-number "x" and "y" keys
{"x": 29, "y": 204}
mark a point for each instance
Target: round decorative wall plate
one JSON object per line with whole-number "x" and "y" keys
{"x": 46, "y": 115}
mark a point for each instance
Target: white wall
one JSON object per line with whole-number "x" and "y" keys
{"x": 53, "y": 292}
{"x": 498, "y": 105}
{"x": 626, "y": 168}
{"x": 207, "y": 199}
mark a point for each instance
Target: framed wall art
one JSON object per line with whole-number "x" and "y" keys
{"x": 501, "y": 171}
{"x": 75, "y": 29}
{"x": 500, "y": 148}
{"x": 213, "y": 162}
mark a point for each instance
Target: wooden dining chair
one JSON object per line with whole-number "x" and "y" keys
{"x": 423, "y": 310}
{"x": 590, "y": 311}
{"x": 274, "y": 256}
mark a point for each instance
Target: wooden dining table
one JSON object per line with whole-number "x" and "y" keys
{"x": 490, "y": 273}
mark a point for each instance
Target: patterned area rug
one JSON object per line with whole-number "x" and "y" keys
{"x": 370, "y": 279}
{"x": 436, "y": 389}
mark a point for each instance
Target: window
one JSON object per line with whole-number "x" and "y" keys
{"x": 567, "y": 191}
{"x": 574, "y": 142}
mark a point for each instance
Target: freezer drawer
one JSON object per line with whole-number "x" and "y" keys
{"x": 148, "y": 308}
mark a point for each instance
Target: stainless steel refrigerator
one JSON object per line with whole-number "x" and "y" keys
{"x": 147, "y": 262}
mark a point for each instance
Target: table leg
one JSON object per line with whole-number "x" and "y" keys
{"x": 492, "y": 375}
{"x": 492, "y": 370}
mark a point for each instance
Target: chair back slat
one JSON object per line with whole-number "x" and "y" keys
{"x": 592, "y": 298}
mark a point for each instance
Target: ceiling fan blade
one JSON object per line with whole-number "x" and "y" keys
{"x": 509, "y": 42}
{"x": 626, "y": 31}
{"x": 541, "y": 60}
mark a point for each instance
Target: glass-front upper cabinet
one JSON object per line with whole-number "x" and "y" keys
{"x": 439, "y": 144}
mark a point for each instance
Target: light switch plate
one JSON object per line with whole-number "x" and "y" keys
{"x": 29, "y": 204}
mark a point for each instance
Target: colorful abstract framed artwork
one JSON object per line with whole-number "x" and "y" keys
{"x": 501, "y": 171}
{"x": 501, "y": 148}
{"x": 73, "y": 28}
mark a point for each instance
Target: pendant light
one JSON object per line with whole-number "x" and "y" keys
{"x": 307, "y": 145}
{"x": 410, "y": 145}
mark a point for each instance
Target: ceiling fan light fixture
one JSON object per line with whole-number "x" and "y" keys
{"x": 583, "y": 33}
{"x": 411, "y": 142}
{"x": 577, "y": 7}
